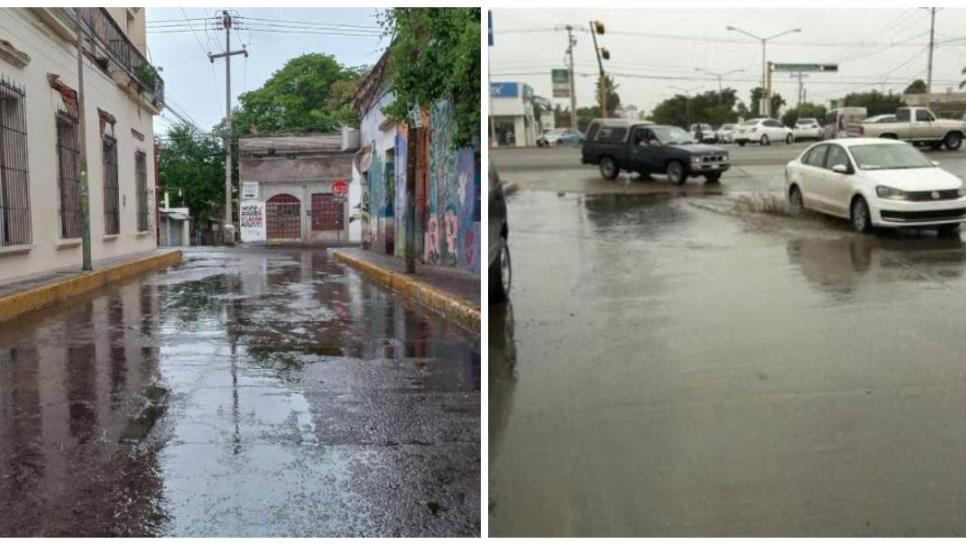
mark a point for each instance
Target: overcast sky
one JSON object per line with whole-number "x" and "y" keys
{"x": 195, "y": 86}
{"x": 882, "y": 49}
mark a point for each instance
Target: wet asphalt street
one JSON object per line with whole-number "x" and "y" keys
{"x": 693, "y": 362}
{"x": 245, "y": 392}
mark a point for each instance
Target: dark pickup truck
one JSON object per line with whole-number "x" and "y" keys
{"x": 618, "y": 144}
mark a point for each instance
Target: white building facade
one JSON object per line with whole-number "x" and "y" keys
{"x": 511, "y": 114}
{"x": 40, "y": 191}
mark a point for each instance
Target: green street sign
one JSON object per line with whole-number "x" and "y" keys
{"x": 775, "y": 67}
{"x": 561, "y": 83}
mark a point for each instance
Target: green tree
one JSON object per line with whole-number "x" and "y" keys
{"x": 193, "y": 166}
{"x": 805, "y": 110}
{"x": 874, "y": 102}
{"x": 776, "y": 103}
{"x": 709, "y": 107}
{"x": 613, "y": 99}
{"x": 916, "y": 87}
{"x": 435, "y": 55}
{"x": 311, "y": 93}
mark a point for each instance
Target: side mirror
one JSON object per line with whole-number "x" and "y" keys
{"x": 840, "y": 168}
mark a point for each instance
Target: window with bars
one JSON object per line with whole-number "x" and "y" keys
{"x": 68, "y": 174}
{"x": 141, "y": 178}
{"x": 112, "y": 221}
{"x": 14, "y": 178}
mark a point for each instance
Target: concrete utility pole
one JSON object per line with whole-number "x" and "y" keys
{"x": 932, "y": 44}
{"x": 801, "y": 86}
{"x": 226, "y": 21}
{"x": 85, "y": 201}
{"x": 571, "y": 42}
{"x": 765, "y": 108}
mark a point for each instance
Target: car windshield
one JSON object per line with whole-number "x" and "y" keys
{"x": 889, "y": 157}
{"x": 672, "y": 135}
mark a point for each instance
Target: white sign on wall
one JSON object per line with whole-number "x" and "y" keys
{"x": 250, "y": 190}
{"x": 252, "y": 221}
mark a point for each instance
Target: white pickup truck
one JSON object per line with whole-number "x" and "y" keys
{"x": 918, "y": 125}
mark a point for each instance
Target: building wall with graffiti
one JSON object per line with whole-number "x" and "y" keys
{"x": 376, "y": 174}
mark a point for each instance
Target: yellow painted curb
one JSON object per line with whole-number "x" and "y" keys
{"x": 44, "y": 295}
{"x": 449, "y": 306}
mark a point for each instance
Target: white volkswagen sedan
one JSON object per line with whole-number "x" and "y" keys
{"x": 875, "y": 183}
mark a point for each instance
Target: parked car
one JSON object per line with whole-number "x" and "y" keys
{"x": 615, "y": 145}
{"x": 843, "y": 122}
{"x": 726, "y": 133}
{"x": 886, "y": 118}
{"x": 558, "y": 136}
{"x": 918, "y": 125}
{"x": 708, "y": 134}
{"x": 808, "y": 128}
{"x": 499, "y": 252}
{"x": 763, "y": 131}
{"x": 875, "y": 183}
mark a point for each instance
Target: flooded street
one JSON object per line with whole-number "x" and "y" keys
{"x": 245, "y": 392}
{"x": 700, "y": 364}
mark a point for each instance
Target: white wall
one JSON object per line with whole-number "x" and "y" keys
{"x": 50, "y": 54}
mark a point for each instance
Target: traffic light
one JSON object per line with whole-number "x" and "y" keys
{"x": 604, "y": 53}
{"x": 598, "y": 27}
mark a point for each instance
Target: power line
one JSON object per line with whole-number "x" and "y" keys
{"x": 309, "y": 23}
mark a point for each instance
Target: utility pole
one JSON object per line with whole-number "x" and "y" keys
{"x": 932, "y": 36}
{"x": 765, "y": 66}
{"x": 85, "y": 201}
{"x": 571, "y": 42}
{"x": 597, "y": 27}
{"x": 720, "y": 76}
{"x": 801, "y": 86}
{"x": 226, "y": 21}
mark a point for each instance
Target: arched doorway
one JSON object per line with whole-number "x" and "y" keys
{"x": 282, "y": 218}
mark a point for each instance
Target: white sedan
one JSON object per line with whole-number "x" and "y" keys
{"x": 875, "y": 183}
{"x": 763, "y": 131}
{"x": 807, "y": 128}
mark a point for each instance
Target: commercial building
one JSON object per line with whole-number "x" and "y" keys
{"x": 41, "y": 218}
{"x": 511, "y": 114}
{"x": 447, "y": 184}
{"x": 299, "y": 188}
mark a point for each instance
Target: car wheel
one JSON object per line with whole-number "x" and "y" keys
{"x": 953, "y": 141}
{"x": 675, "y": 173}
{"x": 764, "y": 140}
{"x": 500, "y": 276}
{"x": 948, "y": 230}
{"x": 795, "y": 203}
{"x": 741, "y": 143}
{"x": 713, "y": 178}
{"x": 861, "y": 219}
{"x": 789, "y": 139}
{"x": 935, "y": 146}
{"x": 608, "y": 170}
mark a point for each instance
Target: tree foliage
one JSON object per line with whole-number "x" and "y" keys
{"x": 806, "y": 110}
{"x": 193, "y": 166}
{"x": 916, "y": 87}
{"x": 708, "y": 107}
{"x": 776, "y": 103}
{"x": 610, "y": 89}
{"x": 311, "y": 93}
{"x": 435, "y": 56}
{"x": 874, "y": 102}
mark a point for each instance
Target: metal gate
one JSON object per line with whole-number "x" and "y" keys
{"x": 282, "y": 218}
{"x": 327, "y": 212}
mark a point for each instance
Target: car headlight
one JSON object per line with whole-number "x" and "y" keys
{"x": 890, "y": 193}
{"x": 696, "y": 160}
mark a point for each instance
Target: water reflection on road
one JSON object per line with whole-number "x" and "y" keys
{"x": 243, "y": 393}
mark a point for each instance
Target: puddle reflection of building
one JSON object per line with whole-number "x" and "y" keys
{"x": 502, "y": 372}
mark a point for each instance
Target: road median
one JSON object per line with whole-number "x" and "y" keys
{"x": 36, "y": 294}
{"x": 431, "y": 289}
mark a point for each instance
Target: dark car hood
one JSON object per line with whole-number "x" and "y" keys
{"x": 698, "y": 148}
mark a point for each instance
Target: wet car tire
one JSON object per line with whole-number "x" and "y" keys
{"x": 861, "y": 218}
{"x": 608, "y": 170}
{"x": 948, "y": 230}
{"x": 741, "y": 143}
{"x": 501, "y": 276}
{"x": 713, "y": 178}
{"x": 953, "y": 141}
{"x": 675, "y": 173}
{"x": 789, "y": 139}
{"x": 796, "y": 205}
{"x": 764, "y": 140}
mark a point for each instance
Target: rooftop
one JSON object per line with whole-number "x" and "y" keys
{"x": 328, "y": 142}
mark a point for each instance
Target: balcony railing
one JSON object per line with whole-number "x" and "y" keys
{"x": 121, "y": 52}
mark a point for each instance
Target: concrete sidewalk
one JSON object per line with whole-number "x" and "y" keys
{"x": 451, "y": 293}
{"x": 21, "y": 295}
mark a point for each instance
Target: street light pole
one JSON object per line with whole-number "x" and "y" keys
{"x": 573, "y": 97}
{"x": 765, "y": 87}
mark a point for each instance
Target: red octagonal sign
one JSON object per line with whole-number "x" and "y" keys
{"x": 340, "y": 188}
